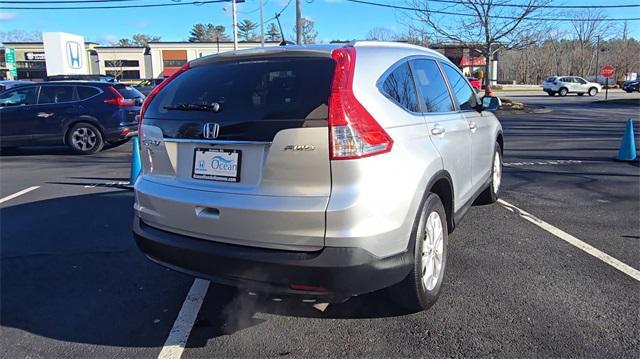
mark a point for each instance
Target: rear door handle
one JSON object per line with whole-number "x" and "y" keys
{"x": 437, "y": 130}
{"x": 472, "y": 126}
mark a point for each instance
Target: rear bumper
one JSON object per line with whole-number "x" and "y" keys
{"x": 342, "y": 272}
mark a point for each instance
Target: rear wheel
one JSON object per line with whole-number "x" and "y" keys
{"x": 593, "y": 91}
{"x": 563, "y": 92}
{"x": 551, "y": 93}
{"x": 420, "y": 289}
{"x": 490, "y": 194}
{"x": 84, "y": 138}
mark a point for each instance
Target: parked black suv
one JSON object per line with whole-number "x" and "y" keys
{"x": 81, "y": 114}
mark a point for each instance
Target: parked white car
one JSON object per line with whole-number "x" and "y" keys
{"x": 563, "y": 85}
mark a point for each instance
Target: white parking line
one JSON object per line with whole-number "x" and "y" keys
{"x": 624, "y": 268}
{"x": 177, "y": 339}
{"x": 26, "y": 190}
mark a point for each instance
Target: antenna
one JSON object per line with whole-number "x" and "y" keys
{"x": 283, "y": 42}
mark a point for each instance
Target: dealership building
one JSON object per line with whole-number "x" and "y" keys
{"x": 128, "y": 64}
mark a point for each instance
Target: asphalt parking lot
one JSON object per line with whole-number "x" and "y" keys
{"x": 73, "y": 283}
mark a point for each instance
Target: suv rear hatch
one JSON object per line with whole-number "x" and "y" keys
{"x": 235, "y": 149}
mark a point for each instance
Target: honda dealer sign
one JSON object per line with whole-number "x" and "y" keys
{"x": 65, "y": 54}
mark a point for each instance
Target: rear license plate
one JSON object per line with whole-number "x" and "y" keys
{"x": 217, "y": 164}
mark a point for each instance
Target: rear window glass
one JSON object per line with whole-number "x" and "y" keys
{"x": 551, "y": 79}
{"x": 252, "y": 91}
{"x": 128, "y": 92}
{"x": 84, "y": 92}
{"x": 55, "y": 94}
{"x": 399, "y": 86}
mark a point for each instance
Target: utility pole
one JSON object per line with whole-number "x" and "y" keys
{"x": 235, "y": 25}
{"x": 597, "y": 56}
{"x": 261, "y": 25}
{"x": 298, "y": 22}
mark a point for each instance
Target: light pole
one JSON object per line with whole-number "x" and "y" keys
{"x": 235, "y": 25}
{"x": 597, "y": 57}
{"x": 298, "y": 22}
{"x": 261, "y": 26}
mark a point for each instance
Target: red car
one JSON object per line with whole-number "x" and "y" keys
{"x": 475, "y": 83}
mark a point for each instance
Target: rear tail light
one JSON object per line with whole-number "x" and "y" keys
{"x": 118, "y": 100}
{"x": 353, "y": 132}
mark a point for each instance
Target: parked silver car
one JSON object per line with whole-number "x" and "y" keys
{"x": 563, "y": 85}
{"x": 321, "y": 172}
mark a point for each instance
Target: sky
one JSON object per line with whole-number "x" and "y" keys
{"x": 334, "y": 19}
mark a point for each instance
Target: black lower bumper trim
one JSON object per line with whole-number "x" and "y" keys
{"x": 343, "y": 272}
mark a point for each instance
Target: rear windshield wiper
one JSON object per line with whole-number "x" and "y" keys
{"x": 213, "y": 107}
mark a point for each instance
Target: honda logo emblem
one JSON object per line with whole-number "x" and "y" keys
{"x": 73, "y": 54}
{"x": 211, "y": 130}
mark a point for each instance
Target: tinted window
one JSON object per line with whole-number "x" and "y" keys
{"x": 461, "y": 89}
{"x": 399, "y": 86}
{"x": 580, "y": 80}
{"x": 128, "y": 92}
{"x": 432, "y": 87}
{"x": 84, "y": 92}
{"x": 124, "y": 74}
{"x": 550, "y": 79}
{"x": 55, "y": 94}
{"x": 22, "y": 96}
{"x": 121, "y": 63}
{"x": 173, "y": 63}
{"x": 250, "y": 93}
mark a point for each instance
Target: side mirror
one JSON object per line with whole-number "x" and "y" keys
{"x": 490, "y": 103}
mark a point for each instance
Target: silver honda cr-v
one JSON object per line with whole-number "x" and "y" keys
{"x": 320, "y": 172}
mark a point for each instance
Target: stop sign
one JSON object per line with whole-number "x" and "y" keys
{"x": 607, "y": 71}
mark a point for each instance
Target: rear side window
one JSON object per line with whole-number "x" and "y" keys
{"x": 432, "y": 86}
{"x": 461, "y": 89}
{"x": 55, "y": 94}
{"x": 22, "y": 96}
{"x": 250, "y": 93}
{"x": 550, "y": 79}
{"x": 400, "y": 87}
{"x": 85, "y": 92}
{"x": 128, "y": 92}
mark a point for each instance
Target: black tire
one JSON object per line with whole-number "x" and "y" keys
{"x": 84, "y": 138}
{"x": 550, "y": 93}
{"x": 412, "y": 293}
{"x": 118, "y": 143}
{"x": 563, "y": 92}
{"x": 490, "y": 194}
{"x": 593, "y": 91}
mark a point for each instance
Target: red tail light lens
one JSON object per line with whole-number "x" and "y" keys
{"x": 118, "y": 100}
{"x": 353, "y": 132}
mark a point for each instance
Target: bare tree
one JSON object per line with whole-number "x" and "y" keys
{"x": 588, "y": 27}
{"x": 381, "y": 34}
{"x": 487, "y": 25}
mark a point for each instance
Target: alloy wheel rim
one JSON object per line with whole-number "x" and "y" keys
{"x": 84, "y": 139}
{"x": 497, "y": 173}
{"x": 432, "y": 251}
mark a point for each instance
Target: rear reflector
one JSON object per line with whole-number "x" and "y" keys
{"x": 353, "y": 132}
